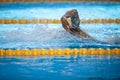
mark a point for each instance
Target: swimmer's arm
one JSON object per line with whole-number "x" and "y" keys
{"x": 64, "y": 21}
{"x": 70, "y": 13}
{"x": 84, "y": 34}
{"x": 65, "y": 24}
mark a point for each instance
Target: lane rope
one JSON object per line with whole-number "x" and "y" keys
{"x": 57, "y": 21}
{"x": 60, "y": 52}
{"x": 59, "y": 0}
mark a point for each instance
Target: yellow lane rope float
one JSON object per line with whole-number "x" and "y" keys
{"x": 60, "y": 52}
{"x": 57, "y": 21}
{"x": 59, "y": 0}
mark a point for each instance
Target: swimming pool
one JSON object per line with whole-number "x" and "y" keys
{"x": 29, "y": 36}
{"x": 53, "y": 35}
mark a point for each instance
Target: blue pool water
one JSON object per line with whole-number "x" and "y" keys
{"x": 28, "y": 36}
{"x": 73, "y": 68}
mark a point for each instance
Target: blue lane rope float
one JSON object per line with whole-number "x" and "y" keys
{"x": 57, "y": 21}
{"x": 59, "y": 52}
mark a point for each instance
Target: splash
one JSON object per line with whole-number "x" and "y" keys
{"x": 44, "y": 33}
{"x": 114, "y": 39}
{"x": 38, "y": 33}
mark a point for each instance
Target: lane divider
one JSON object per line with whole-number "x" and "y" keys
{"x": 57, "y": 21}
{"x": 60, "y": 52}
{"x": 59, "y": 0}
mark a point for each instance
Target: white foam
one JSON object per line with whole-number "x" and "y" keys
{"x": 45, "y": 33}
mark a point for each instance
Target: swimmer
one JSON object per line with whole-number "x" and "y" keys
{"x": 74, "y": 28}
{"x": 75, "y": 21}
